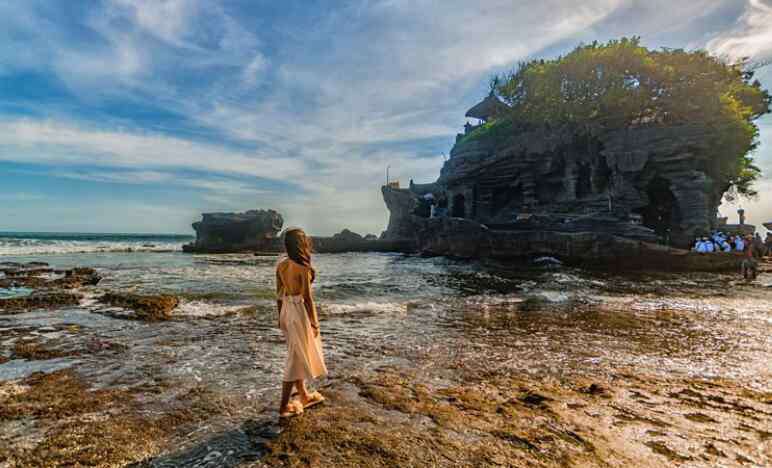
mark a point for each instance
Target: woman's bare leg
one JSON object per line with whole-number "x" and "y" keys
{"x": 302, "y": 391}
{"x": 286, "y": 390}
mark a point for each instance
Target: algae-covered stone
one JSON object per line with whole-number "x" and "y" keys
{"x": 39, "y": 300}
{"x": 150, "y": 308}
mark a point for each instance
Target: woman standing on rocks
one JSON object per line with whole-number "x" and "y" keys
{"x": 299, "y": 323}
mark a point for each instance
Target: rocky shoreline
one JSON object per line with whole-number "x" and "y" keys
{"x": 661, "y": 370}
{"x": 404, "y": 418}
{"x": 53, "y": 289}
{"x": 487, "y": 396}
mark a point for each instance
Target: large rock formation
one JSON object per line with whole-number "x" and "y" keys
{"x": 653, "y": 175}
{"x": 525, "y": 190}
{"x": 254, "y": 230}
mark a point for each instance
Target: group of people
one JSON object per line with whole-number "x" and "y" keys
{"x": 752, "y": 248}
{"x": 720, "y": 242}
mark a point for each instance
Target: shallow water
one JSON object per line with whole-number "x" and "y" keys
{"x": 7, "y": 293}
{"x": 380, "y": 308}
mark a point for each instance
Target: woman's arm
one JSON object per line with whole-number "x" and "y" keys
{"x": 308, "y": 302}
{"x": 279, "y": 291}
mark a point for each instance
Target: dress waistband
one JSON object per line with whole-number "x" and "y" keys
{"x": 298, "y": 299}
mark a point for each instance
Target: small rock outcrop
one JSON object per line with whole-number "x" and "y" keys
{"x": 43, "y": 277}
{"x": 39, "y": 300}
{"x": 348, "y": 236}
{"x": 349, "y": 241}
{"x": 148, "y": 308}
{"x": 254, "y": 230}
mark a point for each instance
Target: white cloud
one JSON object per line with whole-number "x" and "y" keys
{"x": 166, "y": 19}
{"x": 751, "y": 37}
{"x": 253, "y": 70}
{"x": 52, "y": 142}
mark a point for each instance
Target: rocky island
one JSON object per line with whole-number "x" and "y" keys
{"x": 631, "y": 196}
{"x": 234, "y": 232}
{"x": 558, "y": 168}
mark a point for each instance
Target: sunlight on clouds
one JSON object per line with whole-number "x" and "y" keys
{"x": 253, "y": 70}
{"x": 60, "y": 143}
{"x": 166, "y": 19}
{"x": 752, "y": 37}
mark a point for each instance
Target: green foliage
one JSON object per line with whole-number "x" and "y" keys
{"x": 495, "y": 129}
{"x": 622, "y": 84}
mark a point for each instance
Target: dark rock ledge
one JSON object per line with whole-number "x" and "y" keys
{"x": 151, "y": 308}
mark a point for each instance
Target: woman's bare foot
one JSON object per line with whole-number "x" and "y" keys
{"x": 311, "y": 399}
{"x": 293, "y": 408}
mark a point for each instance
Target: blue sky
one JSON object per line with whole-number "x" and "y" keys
{"x": 138, "y": 115}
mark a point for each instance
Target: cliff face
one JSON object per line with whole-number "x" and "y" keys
{"x": 514, "y": 191}
{"x": 403, "y": 224}
{"x": 649, "y": 175}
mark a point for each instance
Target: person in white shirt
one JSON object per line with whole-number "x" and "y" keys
{"x": 739, "y": 245}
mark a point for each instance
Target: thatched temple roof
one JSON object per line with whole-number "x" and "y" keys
{"x": 487, "y": 108}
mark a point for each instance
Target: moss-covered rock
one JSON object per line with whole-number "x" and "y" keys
{"x": 150, "y": 308}
{"x": 40, "y": 300}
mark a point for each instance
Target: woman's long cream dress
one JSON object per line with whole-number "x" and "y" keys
{"x": 304, "y": 351}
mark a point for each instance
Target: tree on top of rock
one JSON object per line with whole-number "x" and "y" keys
{"x": 622, "y": 84}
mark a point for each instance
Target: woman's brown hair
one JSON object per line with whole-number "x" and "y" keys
{"x": 298, "y": 246}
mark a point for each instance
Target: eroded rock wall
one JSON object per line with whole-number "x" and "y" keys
{"x": 653, "y": 174}
{"x": 403, "y": 223}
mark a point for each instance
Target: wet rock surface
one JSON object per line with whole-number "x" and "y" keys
{"x": 91, "y": 427}
{"x": 39, "y": 300}
{"x": 34, "y": 275}
{"x": 48, "y": 288}
{"x": 141, "y": 307}
{"x": 486, "y": 366}
{"x": 400, "y": 417}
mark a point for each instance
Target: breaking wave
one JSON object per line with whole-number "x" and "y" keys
{"x": 18, "y": 244}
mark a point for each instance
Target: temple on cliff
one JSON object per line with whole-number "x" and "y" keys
{"x": 646, "y": 182}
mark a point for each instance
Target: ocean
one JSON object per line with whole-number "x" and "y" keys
{"x": 43, "y": 243}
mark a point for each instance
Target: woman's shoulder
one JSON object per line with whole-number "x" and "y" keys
{"x": 282, "y": 264}
{"x": 287, "y": 263}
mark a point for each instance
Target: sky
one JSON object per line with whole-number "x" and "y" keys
{"x": 138, "y": 115}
